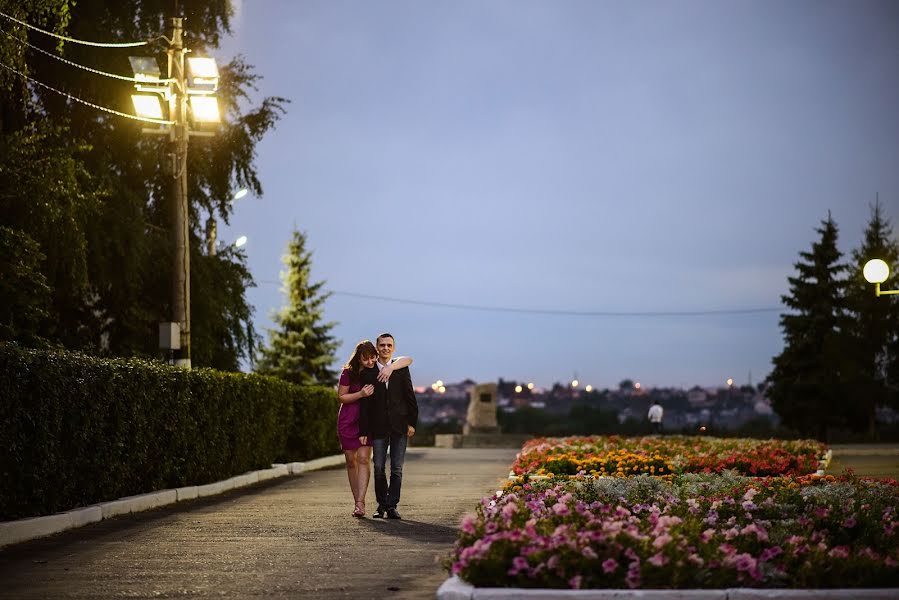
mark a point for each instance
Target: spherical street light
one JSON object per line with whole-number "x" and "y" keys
{"x": 518, "y": 389}
{"x": 876, "y": 271}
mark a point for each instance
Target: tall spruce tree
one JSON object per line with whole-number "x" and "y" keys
{"x": 874, "y": 350}
{"x": 806, "y": 387}
{"x": 301, "y": 350}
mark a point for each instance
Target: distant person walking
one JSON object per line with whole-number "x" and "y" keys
{"x": 388, "y": 419}
{"x": 656, "y": 412}
{"x": 357, "y": 381}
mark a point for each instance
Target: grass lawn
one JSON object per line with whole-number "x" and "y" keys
{"x": 866, "y": 465}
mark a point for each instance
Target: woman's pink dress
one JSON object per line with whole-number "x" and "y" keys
{"x": 348, "y": 417}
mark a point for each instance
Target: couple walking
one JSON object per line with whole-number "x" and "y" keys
{"x": 378, "y": 414}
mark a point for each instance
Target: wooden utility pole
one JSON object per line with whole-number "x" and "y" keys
{"x": 178, "y": 136}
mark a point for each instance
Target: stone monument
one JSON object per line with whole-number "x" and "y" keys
{"x": 481, "y": 417}
{"x": 481, "y": 429}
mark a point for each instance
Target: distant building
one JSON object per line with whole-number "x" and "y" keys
{"x": 697, "y": 396}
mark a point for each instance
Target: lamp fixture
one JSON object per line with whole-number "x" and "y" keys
{"x": 877, "y": 271}
{"x": 147, "y": 106}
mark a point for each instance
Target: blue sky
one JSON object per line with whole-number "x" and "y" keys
{"x": 579, "y": 156}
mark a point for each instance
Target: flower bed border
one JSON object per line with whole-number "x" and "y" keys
{"x": 455, "y": 588}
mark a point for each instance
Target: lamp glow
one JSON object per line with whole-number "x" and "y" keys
{"x": 241, "y": 193}
{"x": 518, "y": 389}
{"x": 203, "y": 74}
{"x": 574, "y": 383}
{"x": 589, "y": 388}
{"x": 876, "y": 271}
{"x": 147, "y": 106}
{"x": 530, "y": 386}
{"x": 205, "y": 109}
{"x": 241, "y": 241}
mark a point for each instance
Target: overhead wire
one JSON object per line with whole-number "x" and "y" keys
{"x": 86, "y": 68}
{"x": 77, "y": 41}
{"x": 558, "y": 312}
{"x": 85, "y": 102}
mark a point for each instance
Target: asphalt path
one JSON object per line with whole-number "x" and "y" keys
{"x": 291, "y": 538}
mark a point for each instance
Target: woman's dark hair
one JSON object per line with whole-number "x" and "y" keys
{"x": 364, "y": 349}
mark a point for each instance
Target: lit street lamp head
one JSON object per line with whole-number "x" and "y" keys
{"x": 147, "y": 106}
{"x": 876, "y": 271}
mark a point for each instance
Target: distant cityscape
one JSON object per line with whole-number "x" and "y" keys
{"x": 728, "y": 407}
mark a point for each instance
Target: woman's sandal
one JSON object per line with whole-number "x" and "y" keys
{"x": 359, "y": 511}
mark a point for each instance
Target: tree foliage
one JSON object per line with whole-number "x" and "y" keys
{"x": 840, "y": 360}
{"x": 23, "y": 287}
{"x": 100, "y": 211}
{"x": 806, "y": 388}
{"x": 874, "y": 350}
{"x": 301, "y": 350}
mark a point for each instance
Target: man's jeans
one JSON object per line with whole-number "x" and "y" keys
{"x": 389, "y": 497}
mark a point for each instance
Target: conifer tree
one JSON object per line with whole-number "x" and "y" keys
{"x": 806, "y": 388}
{"x": 874, "y": 350}
{"x": 301, "y": 350}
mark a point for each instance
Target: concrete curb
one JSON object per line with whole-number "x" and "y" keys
{"x": 13, "y": 532}
{"x": 456, "y": 589}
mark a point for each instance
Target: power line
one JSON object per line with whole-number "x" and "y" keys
{"x": 76, "y": 41}
{"x": 85, "y": 102}
{"x": 74, "y": 64}
{"x": 568, "y": 313}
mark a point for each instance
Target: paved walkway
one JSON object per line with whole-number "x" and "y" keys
{"x": 291, "y": 538}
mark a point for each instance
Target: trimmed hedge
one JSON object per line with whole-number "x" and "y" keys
{"x": 76, "y": 429}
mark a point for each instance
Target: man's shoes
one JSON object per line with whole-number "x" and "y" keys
{"x": 393, "y": 514}
{"x": 380, "y": 513}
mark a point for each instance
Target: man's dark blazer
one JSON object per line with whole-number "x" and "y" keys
{"x": 391, "y": 409}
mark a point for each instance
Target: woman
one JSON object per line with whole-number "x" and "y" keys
{"x": 350, "y": 390}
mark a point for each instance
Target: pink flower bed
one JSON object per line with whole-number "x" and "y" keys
{"x": 695, "y": 531}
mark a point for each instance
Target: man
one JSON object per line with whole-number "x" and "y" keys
{"x": 655, "y": 417}
{"x": 388, "y": 418}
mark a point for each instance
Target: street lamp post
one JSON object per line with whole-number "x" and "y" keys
{"x": 194, "y": 91}
{"x": 212, "y": 226}
{"x": 180, "y": 228}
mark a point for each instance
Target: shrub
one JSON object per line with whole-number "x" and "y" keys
{"x": 76, "y": 429}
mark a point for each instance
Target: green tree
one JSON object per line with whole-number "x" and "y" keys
{"x": 806, "y": 388}
{"x": 301, "y": 350}
{"x": 52, "y": 198}
{"x": 23, "y": 287}
{"x": 875, "y": 327}
{"x": 228, "y": 331}
{"x": 120, "y": 283}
